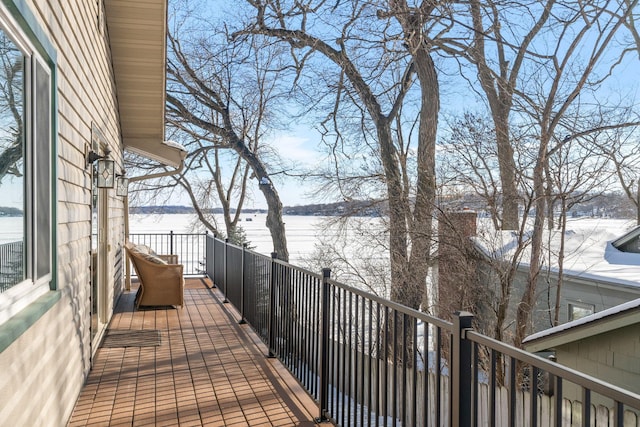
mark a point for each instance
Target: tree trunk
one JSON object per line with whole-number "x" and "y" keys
{"x": 421, "y": 229}
{"x": 527, "y": 302}
{"x": 398, "y": 206}
{"x": 638, "y": 204}
{"x": 507, "y": 172}
{"x": 274, "y": 221}
{"x": 563, "y": 230}
{"x": 274, "y": 205}
{"x": 410, "y": 287}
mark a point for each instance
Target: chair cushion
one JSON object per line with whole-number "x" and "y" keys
{"x": 152, "y": 258}
{"x": 143, "y": 249}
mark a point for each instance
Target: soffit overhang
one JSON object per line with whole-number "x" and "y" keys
{"x": 137, "y": 36}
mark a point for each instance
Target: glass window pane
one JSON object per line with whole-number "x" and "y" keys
{"x": 579, "y": 311}
{"x": 12, "y": 165}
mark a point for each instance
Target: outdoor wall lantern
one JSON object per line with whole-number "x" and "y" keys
{"x": 105, "y": 169}
{"x": 122, "y": 185}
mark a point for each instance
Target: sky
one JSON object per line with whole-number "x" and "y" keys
{"x": 299, "y": 147}
{"x": 300, "y": 144}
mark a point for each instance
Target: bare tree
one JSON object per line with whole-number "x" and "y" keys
{"x": 376, "y": 54}
{"x": 11, "y": 109}
{"x": 561, "y": 51}
{"x": 222, "y": 95}
{"x": 620, "y": 146}
{"x": 577, "y": 174}
{"x": 497, "y": 51}
{"x": 207, "y": 183}
{"x": 470, "y": 160}
{"x": 582, "y": 37}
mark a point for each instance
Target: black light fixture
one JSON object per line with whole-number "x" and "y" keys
{"x": 92, "y": 156}
{"x": 105, "y": 169}
{"x": 122, "y": 185}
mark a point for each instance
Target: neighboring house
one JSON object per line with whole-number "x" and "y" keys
{"x": 630, "y": 242}
{"x": 605, "y": 345}
{"x": 600, "y": 271}
{"x": 75, "y": 77}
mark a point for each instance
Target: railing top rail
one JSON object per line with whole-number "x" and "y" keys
{"x": 317, "y": 276}
{"x": 168, "y": 234}
{"x": 395, "y": 306}
{"x": 268, "y": 258}
{"x": 579, "y": 378}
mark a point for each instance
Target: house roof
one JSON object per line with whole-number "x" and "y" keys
{"x": 628, "y": 237}
{"x": 137, "y": 36}
{"x": 604, "y": 321}
{"x": 590, "y": 255}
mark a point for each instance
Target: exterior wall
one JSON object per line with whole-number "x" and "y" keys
{"x": 599, "y": 294}
{"x": 48, "y": 363}
{"x": 613, "y": 357}
{"x": 44, "y": 369}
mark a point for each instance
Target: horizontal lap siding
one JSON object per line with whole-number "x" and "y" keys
{"x": 49, "y": 362}
{"x": 43, "y": 370}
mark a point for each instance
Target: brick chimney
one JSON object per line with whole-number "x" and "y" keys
{"x": 457, "y": 275}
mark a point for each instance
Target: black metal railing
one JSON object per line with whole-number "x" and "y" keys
{"x": 11, "y": 264}
{"x": 369, "y": 361}
{"x": 190, "y": 248}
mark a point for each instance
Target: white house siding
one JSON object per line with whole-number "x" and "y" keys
{"x": 43, "y": 370}
{"x": 48, "y": 363}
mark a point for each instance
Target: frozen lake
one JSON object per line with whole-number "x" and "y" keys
{"x": 302, "y": 231}
{"x": 11, "y": 228}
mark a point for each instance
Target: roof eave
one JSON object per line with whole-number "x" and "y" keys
{"x": 137, "y": 37}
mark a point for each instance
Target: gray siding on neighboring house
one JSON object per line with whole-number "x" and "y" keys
{"x": 45, "y": 367}
{"x": 599, "y": 294}
{"x": 613, "y": 357}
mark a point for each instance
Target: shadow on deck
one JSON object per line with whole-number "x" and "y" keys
{"x": 206, "y": 369}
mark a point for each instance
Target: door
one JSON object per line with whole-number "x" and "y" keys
{"x": 99, "y": 253}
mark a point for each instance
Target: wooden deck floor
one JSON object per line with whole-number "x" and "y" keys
{"x": 206, "y": 370}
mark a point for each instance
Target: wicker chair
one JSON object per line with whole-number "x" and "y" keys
{"x": 160, "y": 276}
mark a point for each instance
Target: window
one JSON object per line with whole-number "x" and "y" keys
{"x": 578, "y": 310}
{"x": 25, "y": 171}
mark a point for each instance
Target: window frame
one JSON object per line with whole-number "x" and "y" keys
{"x": 38, "y": 204}
{"x": 579, "y": 305}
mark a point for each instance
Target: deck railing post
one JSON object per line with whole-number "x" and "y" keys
{"x": 171, "y": 242}
{"x": 208, "y": 255}
{"x": 226, "y": 257}
{"x": 461, "y": 373}
{"x": 242, "y": 319}
{"x": 324, "y": 347}
{"x": 213, "y": 260}
{"x": 272, "y": 305}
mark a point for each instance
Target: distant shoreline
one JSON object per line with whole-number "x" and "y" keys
{"x": 364, "y": 209}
